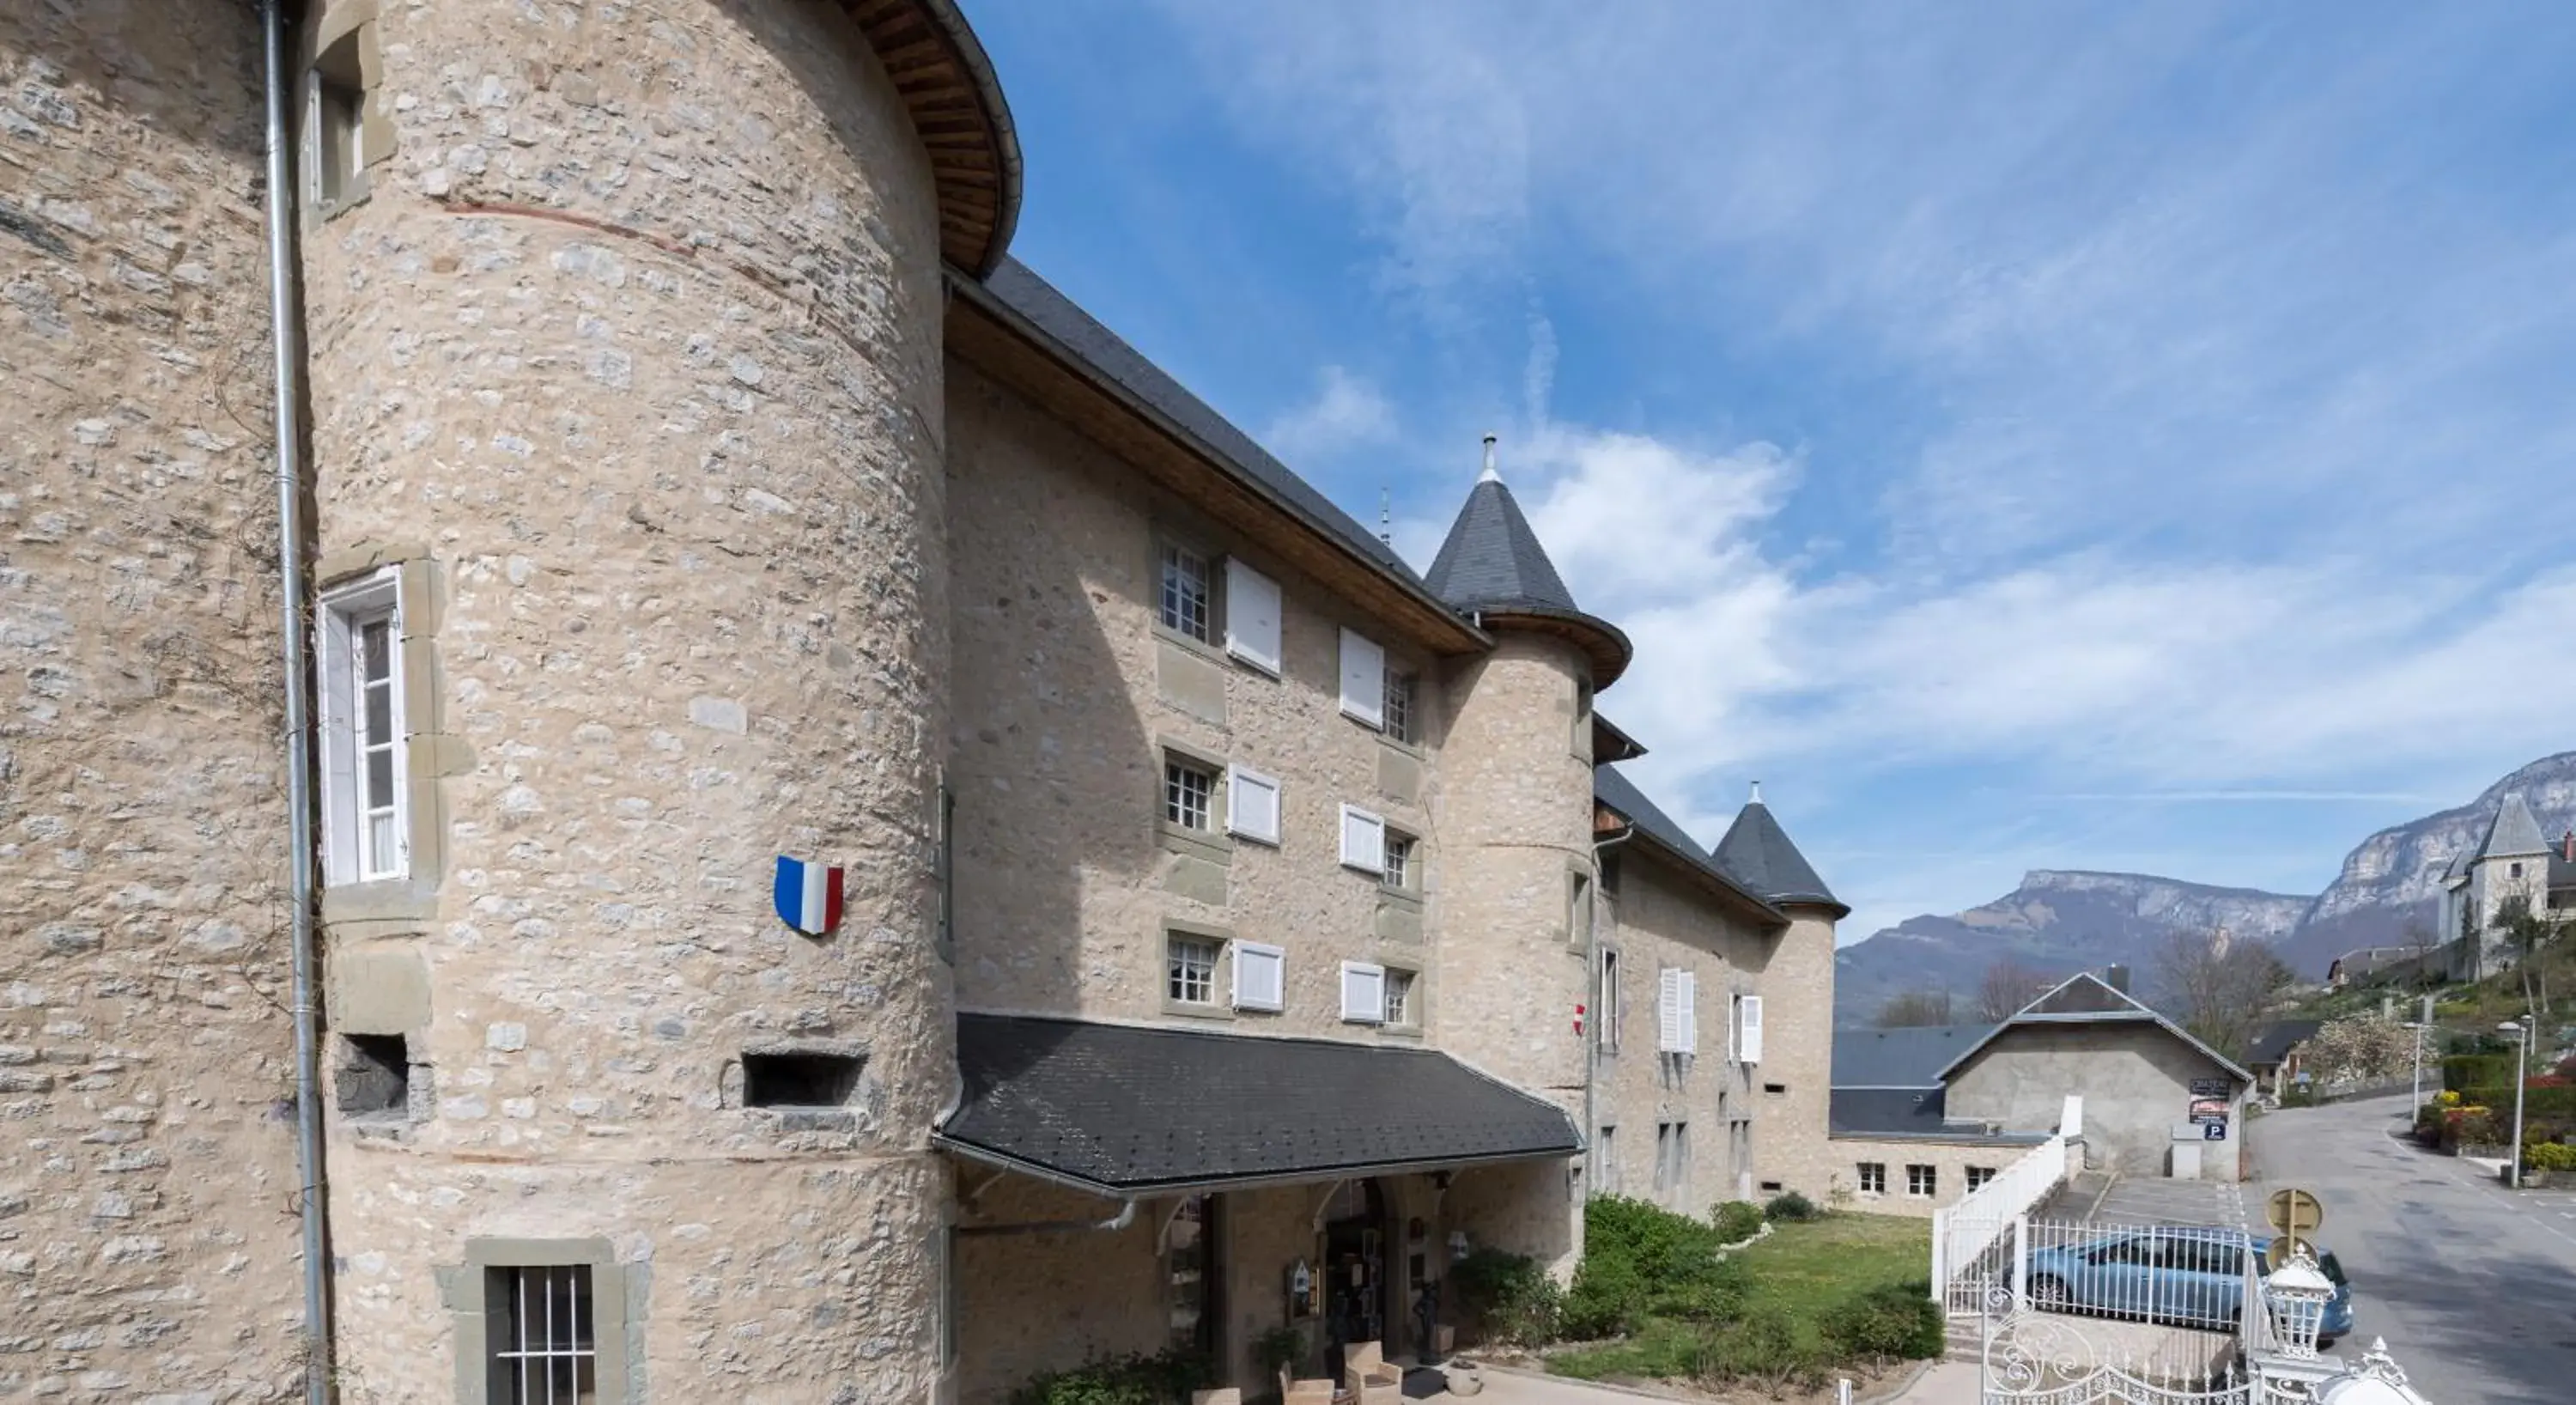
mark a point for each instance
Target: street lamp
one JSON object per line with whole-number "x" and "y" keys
{"x": 2521, "y": 1073}
{"x": 2297, "y": 1294}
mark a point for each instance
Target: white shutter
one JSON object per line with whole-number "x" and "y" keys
{"x": 1251, "y": 616}
{"x": 1260, "y": 977}
{"x": 1363, "y": 992}
{"x": 1252, "y": 805}
{"x": 1751, "y": 1047}
{"x": 1690, "y": 1012}
{"x": 1363, "y": 679}
{"x": 1363, "y": 840}
{"x": 1668, "y": 1012}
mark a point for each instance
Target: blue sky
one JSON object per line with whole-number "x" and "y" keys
{"x": 2043, "y": 435}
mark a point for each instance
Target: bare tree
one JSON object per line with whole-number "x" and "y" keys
{"x": 1911, "y": 1008}
{"x": 2220, "y": 986}
{"x": 2008, "y": 986}
{"x": 2421, "y": 939}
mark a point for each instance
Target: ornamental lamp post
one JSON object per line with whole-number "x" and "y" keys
{"x": 2296, "y": 1294}
{"x": 2521, "y": 1074}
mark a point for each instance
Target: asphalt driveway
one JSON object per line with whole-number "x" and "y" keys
{"x": 2473, "y": 1285}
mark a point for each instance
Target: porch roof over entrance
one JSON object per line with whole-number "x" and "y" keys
{"x": 1125, "y": 1111}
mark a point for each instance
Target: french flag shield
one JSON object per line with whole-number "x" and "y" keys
{"x": 808, "y": 896}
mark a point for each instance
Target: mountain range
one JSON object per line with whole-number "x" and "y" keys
{"x": 2059, "y": 921}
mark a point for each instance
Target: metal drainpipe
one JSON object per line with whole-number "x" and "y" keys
{"x": 1126, "y": 1216}
{"x": 299, "y": 771}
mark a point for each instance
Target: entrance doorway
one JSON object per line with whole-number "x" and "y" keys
{"x": 1356, "y": 1250}
{"x": 1193, "y": 1279}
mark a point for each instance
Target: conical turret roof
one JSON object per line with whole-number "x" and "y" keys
{"x": 1492, "y": 567}
{"x": 2515, "y": 831}
{"x": 1757, "y": 852}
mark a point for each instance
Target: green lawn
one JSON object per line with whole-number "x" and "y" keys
{"x": 1801, "y": 1269}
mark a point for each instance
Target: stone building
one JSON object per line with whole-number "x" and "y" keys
{"x": 2513, "y": 866}
{"x": 867, "y": 844}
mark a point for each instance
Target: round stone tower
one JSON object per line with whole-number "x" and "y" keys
{"x": 1516, "y": 824}
{"x": 625, "y": 346}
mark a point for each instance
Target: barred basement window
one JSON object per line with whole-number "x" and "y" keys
{"x": 1873, "y": 1178}
{"x": 798, "y": 1079}
{"x": 547, "y": 1347}
{"x": 1188, "y": 788}
{"x": 1192, "y": 975}
{"x": 1185, "y": 596}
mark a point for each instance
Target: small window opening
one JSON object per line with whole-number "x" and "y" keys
{"x": 798, "y": 1079}
{"x": 1770, "y": 1185}
{"x": 338, "y": 116}
{"x": 1775, "y": 1087}
{"x": 376, "y": 1077}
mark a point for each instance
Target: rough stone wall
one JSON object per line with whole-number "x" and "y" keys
{"x": 1065, "y": 692}
{"x": 147, "y": 1167}
{"x": 1028, "y": 1303}
{"x": 1796, "y": 983}
{"x": 2134, "y": 1077}
{"x": 1659, "y": 921}
{"x": 1517, "y": 810}
{"x": 632, "y": 353}
{"x": 1949, "y": 1160}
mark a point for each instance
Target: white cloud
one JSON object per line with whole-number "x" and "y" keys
{"x": 1346, "y": 413}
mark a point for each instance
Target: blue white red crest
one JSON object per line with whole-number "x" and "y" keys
{"x": 808, "y": 896}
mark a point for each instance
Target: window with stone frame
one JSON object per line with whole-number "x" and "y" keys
{"x": 1873, "y": 1178}
{"x": 1191, "y": 968}
{"x": 1401, "y": 872}
{"x": 365, "y": 768}
{"x": 1922, "y": 1181}
{"x": 1189, "y": 793}
{"x": 1188, "y": 593}
{"x": 1605, "y": 1017}
{"x": 1400, "y": 718}
{"x": 545, "y": 1342}
{"x": 1402, "y": 1009}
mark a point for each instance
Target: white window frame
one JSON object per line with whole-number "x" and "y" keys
{"x": 1367, "y": 856}
{"x": 1365, "y": 1009}
{"x": 1169, "y": 554}
{"x": 1363, "y": 669}
{"x": 1245, "y": 821}
{"x": 1975, "y": 1178}
{"x": 1400, "y": 717}
{"x": 346, "y": 610}
{"x": 1873, "y": 1177}
{"x": 1182, "y": 761}
{"x": 1745, "y": 1040}
{"x": 1403, "y": 875}
{"x": 1176, "y": 980}
{"x": 1400, "y": 1011}
{"x": 1253, "y": 956}
{"x": 1922, "y": 1180}
{"x": 1677, "y": 1023}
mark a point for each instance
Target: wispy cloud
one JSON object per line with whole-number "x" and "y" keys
{"x": 1345, "y": 413}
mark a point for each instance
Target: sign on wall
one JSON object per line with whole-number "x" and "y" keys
{"x": 2207, "y": 1110}
{"x": 807, "y": 896}
{"x": 2211, "y": 1087}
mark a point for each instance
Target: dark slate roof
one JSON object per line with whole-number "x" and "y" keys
{"x": 1758, "y": 852}
{"x": 1032, "y": 297}
{"x": 2515, "y": 831}
{"x": 2085, "y": 998}
{"x": 1909, "y": 1111}
{"x": 2277, "y": 1039}
{"x": 1127, "y": 1110}
{"x": 1614, "y": 789}
{"x": 1900, "y": 1058}
{"x": 1492, "y": 560}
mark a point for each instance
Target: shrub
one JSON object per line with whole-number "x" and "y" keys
{"x": 1509, "y": 1297}
{"x": 2548, "y": 1156}
{"x": 1789, "y": 1207}
{"x": 1608, "y": 1298}
{"x": 1642, "y": 1261}
{"x": 1892, "y": 1320}
{"x": 2463, "y": 1072}
{"x": 1166, "y": 1379}
{"x": 1763, "y": 1346}
{"x": 1736, "y": 1220}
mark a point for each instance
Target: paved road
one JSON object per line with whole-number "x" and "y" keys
{"x": 2473, "y": 1285}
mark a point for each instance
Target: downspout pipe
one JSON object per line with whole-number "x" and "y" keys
{"x": 287, "y": 344}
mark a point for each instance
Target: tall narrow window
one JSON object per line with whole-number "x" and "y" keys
{"x": 1578, "y": 910}
{"x": 335, "y": 125}
{"x": 1605, "y": 1024}
{"x": 1399, "y": 706}
{"x": 1187, "y": 609}
{"x": 1400, "y": 872}
{"x": 1605, "y": 1155}
{"x": 1188, "y": 788}
{"x": 363, "y": 732}
{"x": 1400, "y": 1009}
{"x": 547, "y": 1348}
{"x": 1191, "y": 978}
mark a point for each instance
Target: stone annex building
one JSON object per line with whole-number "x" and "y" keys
{"x": 1195, "y": 903}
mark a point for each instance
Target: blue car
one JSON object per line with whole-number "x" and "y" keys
{"x": 2192, "y": 1277}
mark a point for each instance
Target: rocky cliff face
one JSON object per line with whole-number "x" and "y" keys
{"x": 2057, "y": 922}
{"x": 2062, "y": 922}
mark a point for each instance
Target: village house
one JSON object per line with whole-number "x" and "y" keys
{"x": 2513, "y": 866}
{"x": 864, "y": 843}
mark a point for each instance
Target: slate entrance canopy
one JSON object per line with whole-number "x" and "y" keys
{"x": 1124, "y": 1111}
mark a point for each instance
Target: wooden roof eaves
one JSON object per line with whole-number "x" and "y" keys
{"x": 1261, "y": 511}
